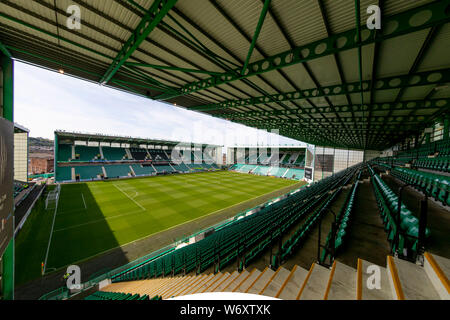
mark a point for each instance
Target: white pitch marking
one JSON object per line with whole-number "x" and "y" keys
{"x": 84, "y": 202}
{"x": 130, "y": 197}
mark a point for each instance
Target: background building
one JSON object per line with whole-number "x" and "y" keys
{"x": 20, "y": 153}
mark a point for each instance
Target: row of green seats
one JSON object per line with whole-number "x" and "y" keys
{"x": 342, "y": 220}
{"x": 437, "y": 164}
{"x": 387, "y": 202}
{"x": 236, "y": 237}
{"x": 435, "y": 185}
{"x": 104, "y": 295}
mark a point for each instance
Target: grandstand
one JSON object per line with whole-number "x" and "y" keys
{"x": 368, "y": 93}
{"x": 86, "y": 157}
{"x": 277, "y": 161}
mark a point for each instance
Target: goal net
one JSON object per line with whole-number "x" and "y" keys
{"x": 52, "y": 198}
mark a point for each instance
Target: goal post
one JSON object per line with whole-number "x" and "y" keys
{"x": 52, "y": 198}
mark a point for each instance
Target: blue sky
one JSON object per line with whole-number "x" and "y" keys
{"x": 46, "y": 101}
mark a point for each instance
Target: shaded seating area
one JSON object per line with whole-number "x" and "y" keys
{"x": 434, "y": 185}
{"x": 112, "y": 153}
{"x": 408, "y": 227}
{"x": 119, "y": 170}
{"x": 85, "y": 153}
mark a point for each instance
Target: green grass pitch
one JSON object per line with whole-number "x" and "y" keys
{"x": 97, "y": 216}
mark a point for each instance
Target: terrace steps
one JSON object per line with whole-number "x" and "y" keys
{"x": 400, "y": 280}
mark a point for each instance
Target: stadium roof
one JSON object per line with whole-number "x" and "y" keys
{"x": 305, "y": 67}
{"x": 80, "y": 136}
{"x": 20, "y": 129}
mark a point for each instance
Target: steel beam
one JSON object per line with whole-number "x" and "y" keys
{"x": 400, "y": 24}
{"x": 258, "y": 28}
{"x": 382, "y": 107}
{"x": 149, "y": 21}
{"x": 395, "y": 82}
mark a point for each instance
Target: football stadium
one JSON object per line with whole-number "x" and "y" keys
{"x": 358, "y": 209}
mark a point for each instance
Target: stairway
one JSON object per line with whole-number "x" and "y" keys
{"x": 399, "y": 280}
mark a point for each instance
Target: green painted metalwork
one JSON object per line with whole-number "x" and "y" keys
{"x": 148, "y": 65}
{"x": 151, "y": 19}
{"x": 28, "y": 25}
{"x": 417, "y": 79}
{"x": 403, "y": 105}
{"x": 4, "y": 50}
{"x": 7, "y": 66}
{"x": 259, "y": 25}
{"x": 395, "y": 25}
{"x": 7, "y": 276}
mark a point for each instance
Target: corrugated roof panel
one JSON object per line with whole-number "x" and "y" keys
{"x": 325, "y": 70}
{"x": 350, "y": 65}
{"x": 385, "y": 95}
{"x": 443, "y": 92}
{"x": 397, "y": 55}
{"x": 209, "y": 19}
{"x": 437, "y": 56}
{"x": 341, "y": 14}
{"x": 188, "y": 54}
{"x": 356, "y": 97}
{"x": 416, "y": 93}
{"x": 297, "y": 73}
{"x": 391, "y": 7}
{"x": 302, "y": 20}
{"x": 30, "y": 20}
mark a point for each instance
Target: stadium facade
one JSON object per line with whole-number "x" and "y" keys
{"x": 87, "y": 157}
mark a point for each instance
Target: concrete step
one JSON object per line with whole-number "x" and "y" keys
{"x": 218, "y": 283}
{"x": 228, "y": 281}
{"x": 166, "y": 287}
{"x": 315, "y": 283}
{"x": 193, "y": 288}
{"x": 274, "y": 285}
{"x": 219, "y": 278}
{"x": 342, "y": 283}
{"x": 410, "y": 281}
{"x": 198, "y": 280}
{"x": 438, "y": 271}
{"x": 247, "y": 282}
{"x": 372, "y": 282}
{"x": 156, "y": 285}
{"x": 292, "y": 284}
{"x": 261, "y": 281}
{"x": 174, "y": 292}
{"x": 206, "y": 284}
{"x": 236, "y": 282}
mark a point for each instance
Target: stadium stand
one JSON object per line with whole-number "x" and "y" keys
{"x": 100, "y": 295}
{"x": 434, "y": 185}
{"x": 111, "y": 153}
{"x": 84, "y": 153}
{"x": 88, "y": 172}
{"x": 336, "y": 236}
{"x": 224, "y": 244}
{"x": 401, "y": 280}
{"x": 158, "y": 155}
{"x": 141, "y": 170}
{"x": 118, "y": 170}
{"x": 65, "y": 152}
{"x": 64, "y": 174}
{"x": 388, "y": 202}
{"x": 163, "y": 168}
{"x": 139, "y": 154}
